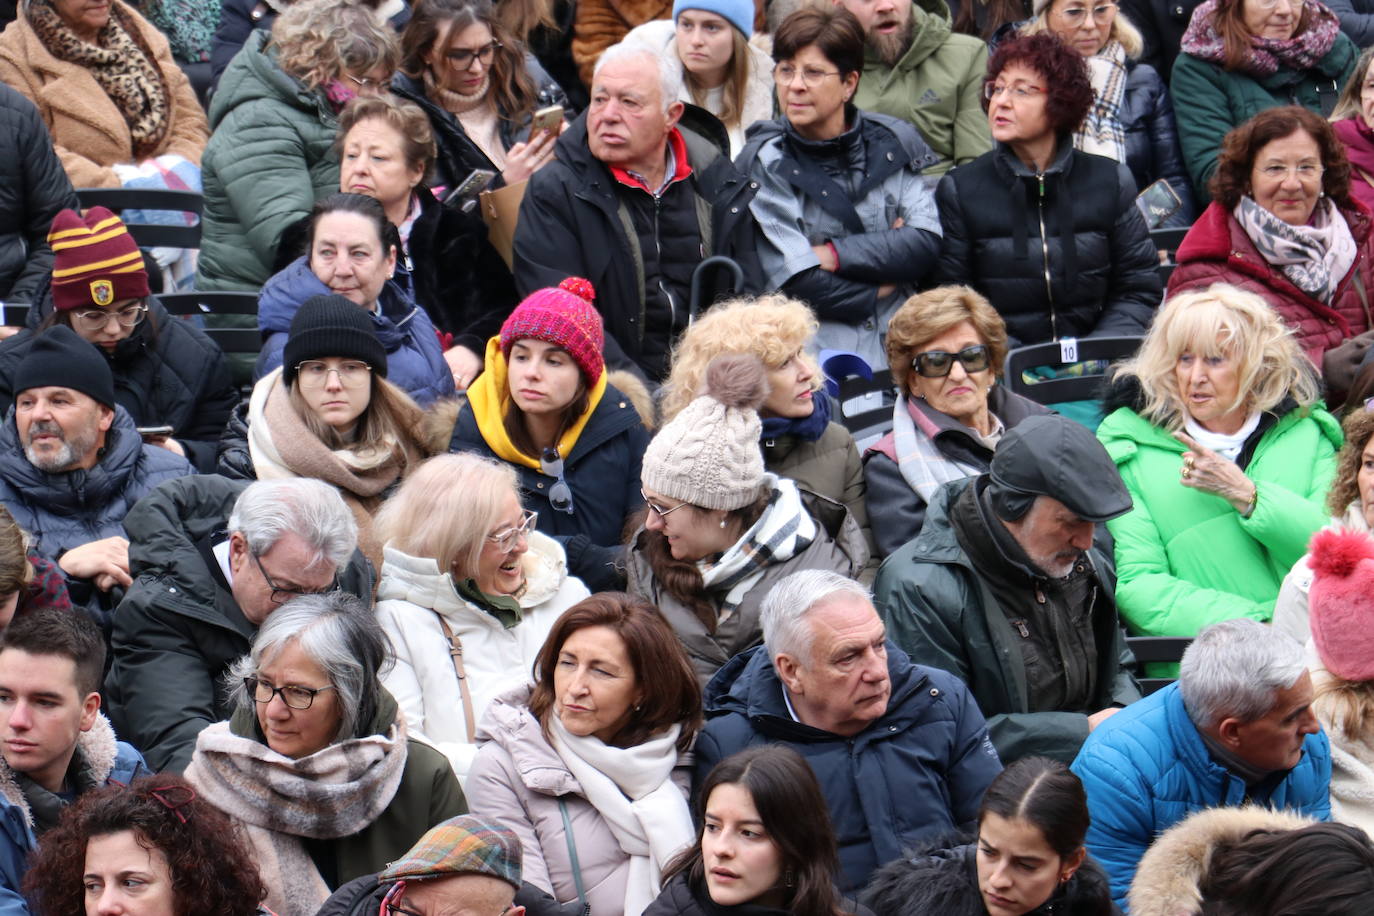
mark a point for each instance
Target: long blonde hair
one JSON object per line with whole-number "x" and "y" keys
{"x": 736, "y": 80}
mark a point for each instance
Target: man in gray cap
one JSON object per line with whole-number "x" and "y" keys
{"x": 1005, "y": 589}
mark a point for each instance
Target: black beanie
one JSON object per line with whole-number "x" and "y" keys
{"x": 331, "y": 325}
{"x": 60, "y": 358}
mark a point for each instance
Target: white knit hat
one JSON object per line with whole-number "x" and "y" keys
{"x": 709, "y": 454}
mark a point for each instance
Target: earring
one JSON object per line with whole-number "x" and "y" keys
{"x": 722, "y": 522}
{"x": 788, "y": 878}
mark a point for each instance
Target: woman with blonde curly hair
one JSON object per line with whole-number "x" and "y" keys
{"x": 274, "y": 120}
{"x": 1218, "y": 435}
{"x": 945, "y": 348}
{"x": 799, "y": 440}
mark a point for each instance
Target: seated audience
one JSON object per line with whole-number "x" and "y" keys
{"x": 901, "y": 751}
{"x": 1049, "y": 234}
{"x": 34, "y": 188}
{"x": 1255, "y": 862}
{"x": 1284, "y": 225}
{"x": 479, "y": 88}
{"x": 28, "y": 581}
{"x": 765, "y": 844}
{"x": 104, "y": 81}
{"x": 57, "y": 744}
{"x": 329, "y": 412}
{"x": 628, "y": 178}
{"x": 920, "y": 69}
{"x": 211, "y": 560}
{"x": 1353, "y": 122}
{"x": 274, "y": 118}
{"x": 798, "y": 438}
{"x": 356, "y": 226}
{"x": 1027, "y": 859}
{"x": 545, "y": 406}
{"x": 946, "y": 348}
{"x": 611, "y": 717}
{"x": 707, "y": 42}
{"x": 1240, "y": 57}
{"x": 1132, "y": 116}
{"x": 240, "y": 19}
{"x": 316, "y": 764}
{"x": 848, "y": 222}
{"x": 1005, "y": 589}
{"x": 719, "y": 530}
{"x": 1236, "y": 728}
{"x": 467, "y": 595}
{"x": 1217, "y": 433}
{"x": 151, "y": 847}
{"x": 387, "y": 150}
{"x": 72, "y": 465}
{"x": 166, "y": 371}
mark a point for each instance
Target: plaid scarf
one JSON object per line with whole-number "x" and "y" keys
{"x": 924, "y": 467}
{"x": 1315, "y": 257}
{"x": 1101, "y": 132}
{"x": 1301, "y": 52}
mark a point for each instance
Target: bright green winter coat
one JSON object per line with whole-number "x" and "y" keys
{"x": 937, "y": 85}
{"x": 1186, "y": 559}
{"x": 270, "y": 157}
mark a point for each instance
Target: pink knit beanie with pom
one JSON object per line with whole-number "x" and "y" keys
{"x": 563, "y": 316}
{"x": 1342, "y": 602}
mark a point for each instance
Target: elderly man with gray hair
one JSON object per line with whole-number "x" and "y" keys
{"x": 900, "y": 750}
{"x": 639, "y": 192}
{"x": 210, "y": 559}
{"x": 1236, "y": 728}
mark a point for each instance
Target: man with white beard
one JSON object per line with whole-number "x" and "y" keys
{"x": 916, "y": 68}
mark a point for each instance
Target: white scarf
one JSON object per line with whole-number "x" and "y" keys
{"x": 1101, "y": 132}
{"x": 633, "y": 791}
{"x": 1227, "y": 446}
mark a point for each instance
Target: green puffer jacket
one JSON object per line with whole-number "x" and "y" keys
{"x": 1186, "y": 559}
{"x": 269, "y": 159}
{"x": 1210, "y": 101}
{"x": 937, "y": 86}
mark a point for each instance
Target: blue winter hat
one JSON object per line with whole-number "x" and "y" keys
{"x": 739, "y": 13}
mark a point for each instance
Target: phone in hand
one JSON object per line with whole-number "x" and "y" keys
{"x": 1157, "y": 203}
{"x": 154, "y": 432}
{"x": 470, "y": 187}
{"x": 546, "y": 119}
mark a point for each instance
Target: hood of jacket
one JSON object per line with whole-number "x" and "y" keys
{"x": 166, "y": 526}
{"x": 284, "y": 293}
{"x": 509, "y": 722}
{"x": 254, "y": 74}
{"x": 98, "y": 747}
{"x": 870, "y": 128}
{"x": 1166, "y": 883}
{"x": 419, "y": 581}
{"x": 930, "y": 28}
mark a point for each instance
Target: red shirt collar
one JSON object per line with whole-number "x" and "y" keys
{"x": 681, "y": 168}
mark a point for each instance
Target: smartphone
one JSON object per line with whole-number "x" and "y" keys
{"x": 154, "y": 432}
{"x": 547, "y": 119}
{"x": 1157, "y": 203}
{"x": 470, "y": 186}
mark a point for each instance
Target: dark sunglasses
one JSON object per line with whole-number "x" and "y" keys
{"x": 560, "y": 494}
{"x": 937, "y": 363}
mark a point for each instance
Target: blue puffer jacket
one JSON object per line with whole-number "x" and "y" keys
{"x": 108, "y": 761}
{"x": 1152, "y": 150}
{"x": 414, "y": 359}
{"x": 917, "y": 771}
{"x": 1146, "y": 768}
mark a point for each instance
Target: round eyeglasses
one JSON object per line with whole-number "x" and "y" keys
{"x": 315, "y": 374}
{"x": 96, "y": 319}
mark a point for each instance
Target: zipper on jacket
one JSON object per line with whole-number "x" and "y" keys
{"x": 658, "y": 249}
{"x": 1045, "y": 253}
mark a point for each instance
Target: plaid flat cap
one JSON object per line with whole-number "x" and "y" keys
{"x": 463, "y": 845}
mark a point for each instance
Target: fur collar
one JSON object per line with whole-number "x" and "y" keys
{"x": 98, "y": 747}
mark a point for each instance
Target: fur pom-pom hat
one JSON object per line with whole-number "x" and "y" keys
{"x": 1342, "y": 602}
{"x": 709, "y": 454}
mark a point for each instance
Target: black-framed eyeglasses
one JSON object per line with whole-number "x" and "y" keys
{"x": 96, "y": 319}
{"x": 938, "y": 363}
{"x": 292, "y": 695}
{"x": 657, "y": 509}
{"x": 505, "y": 540}
{"x": 560, "y": 494}
{"x": 282, "y": 594}
{"x": 462, "y": 58}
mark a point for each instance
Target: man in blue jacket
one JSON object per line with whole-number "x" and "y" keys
{"x": 54, "y": 742}
{"x": 900, "y": 750}
{"x": 1237, "y": 728}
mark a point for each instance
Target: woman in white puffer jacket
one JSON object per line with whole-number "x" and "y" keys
{"x": 466, "y": 583}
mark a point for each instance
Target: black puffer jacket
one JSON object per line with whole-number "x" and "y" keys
{"x": 1152, "y": 150}
{"x": 1101, "y": 276}
{"x": 941, "y": 879}
{"x": 33, "y": 188}
{"x": 172, "y": 376}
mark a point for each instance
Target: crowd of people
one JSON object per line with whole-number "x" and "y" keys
{"x": 531, "y": 563}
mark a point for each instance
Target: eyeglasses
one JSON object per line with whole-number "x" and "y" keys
{"x": 395, "y": 909}
{"x": 938, "y": 363}
{"x": 560, "y": 494}
{"x": 811, "y": 76}
{"x": 1307, "y": 171}
{"x": 659, "y": 510}
{"x": 292, "y": 695}
{"x": 462, "y": 58}
{"x": 96, "y": 319}
{"x": 365, "y": 82}
{"x": 315, "y": 374}
{"x": 1020, "y": 91}
{"x": 1076, "y": 15}
{"x": 281, "y": 594}
{"x": 505, "y": 540}
{"x": 1295, "y": 5}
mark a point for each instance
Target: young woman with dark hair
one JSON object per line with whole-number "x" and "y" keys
{"x": 766, "y": 845}
{"x": 1028, "y": 858}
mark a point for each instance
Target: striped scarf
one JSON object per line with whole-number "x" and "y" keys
{"x": 924, "y": 467}
{"x": 1101, "y": 132}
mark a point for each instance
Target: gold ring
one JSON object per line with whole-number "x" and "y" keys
{"x": 1187, "y": 472}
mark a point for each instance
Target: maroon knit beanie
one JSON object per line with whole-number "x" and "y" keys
{"x": 95, "y": 261}
{"x": 563, "y": 316}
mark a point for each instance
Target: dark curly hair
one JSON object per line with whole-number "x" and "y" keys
{"x": 1068, "y": 90}
{"x": 1231, "y": 181}
{"x": 211, "y": 867}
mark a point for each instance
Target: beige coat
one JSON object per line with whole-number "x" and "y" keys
{"x": 88, "y": 131}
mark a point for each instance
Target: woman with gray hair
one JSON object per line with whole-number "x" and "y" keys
{"x": 315, "y": 762}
